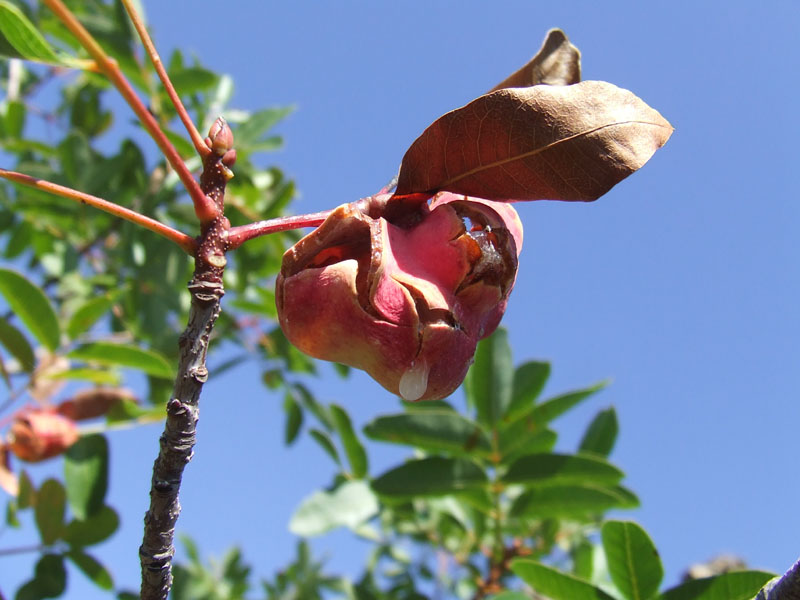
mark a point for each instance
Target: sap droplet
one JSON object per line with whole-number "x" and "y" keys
{"x": 414, "y": 381}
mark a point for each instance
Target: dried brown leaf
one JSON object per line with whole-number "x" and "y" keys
{"x": 557, "y": 62}
{"x": 543, "y": 142}
{"x": 93, "y": 402}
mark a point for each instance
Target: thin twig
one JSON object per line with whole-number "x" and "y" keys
{"x": 239, "y": 235}
{"x": 197, "y": 139}
{"x": 203, "y": 206}
{"x": 187, "y": 243}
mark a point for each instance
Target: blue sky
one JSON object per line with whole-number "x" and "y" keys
{"x": 681, "y": 284}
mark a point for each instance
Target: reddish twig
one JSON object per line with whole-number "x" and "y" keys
{"x": 239, "y": 235}
{"x": 150, "y": 48}
{"x": 204, "y": 207}
{"x": 186, "y": 242}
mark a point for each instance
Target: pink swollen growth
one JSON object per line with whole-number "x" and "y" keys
{"x": 406, "y": 299}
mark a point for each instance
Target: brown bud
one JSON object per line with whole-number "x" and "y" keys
{"x": 221, "y": 137}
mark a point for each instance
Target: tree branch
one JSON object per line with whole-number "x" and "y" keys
{"x": 202, "y": 205}
{"x": 150, "y": 48}
{"x": 177, "y": 441}
{"x": 186, "y": 242}
{"x": 239, "y": 235}
{"x": 784, "y": 588}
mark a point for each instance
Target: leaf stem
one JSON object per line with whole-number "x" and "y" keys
{"x": 110, "y": 68}
{"x": 186, "y": 242}
{"x": 147, "y": 42}
{"x": 239, "y": 235}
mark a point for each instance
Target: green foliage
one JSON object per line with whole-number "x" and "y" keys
{"x": 481, "y": 503}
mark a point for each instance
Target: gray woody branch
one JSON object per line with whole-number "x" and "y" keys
{"x": 786, "y": 587}
{"x": 177, "y": 441}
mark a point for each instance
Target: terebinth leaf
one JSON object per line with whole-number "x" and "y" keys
{"x": 557, "y": 62}
{"x": 570, "y": 142}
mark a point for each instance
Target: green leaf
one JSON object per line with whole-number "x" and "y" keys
{"x": 90, "y": 567}
{"x": 14, "y": 121}
{"x": 97, "y": 528}
{"x": 489, "y": 381}
{"x": 518, "y": 440}
{"x": 19, "y": 34}
{"x": 294, "y": 418}
{"x": 356, "y": 455}
{"x": 49, "y": 579}
{"x": 192, "y": 79}
{"x": 349, "y": 505}
{"x": 555, "y": 407}
{"x": 324, "y": 440}
{"x": 633, "y": 561}
{"x": 601, "y": 433}
{"x": 123, "y": 355}
{"x": 97, "y": 376}
{"x": 736, "y": 585}
{"x": 432, "y": 431}
{"x": 15, "y": 342}
{"x": 510, "y": 596}
{"x": 572, "y": 501}
{"x": 529, "y": 381}
{"x": 32, "y": 307}
{"x": 86, "y": 475}
{"x": 258, "y": 124}
{"x": 562, "y": 469}
{"x": 88, "y": 314}
{"x": 27, "y": 494}
{"x": 431, "y": 476}
{"x": 51, "y": 502}
{"x": 554, "y": 584}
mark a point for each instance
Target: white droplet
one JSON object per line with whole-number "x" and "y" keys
{"x": 414, "y": 381}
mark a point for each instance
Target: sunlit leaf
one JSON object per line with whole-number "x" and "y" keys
{"x": 124, "y": 355}
{"x": 49, "y": 579}
{"x": 557, "y": 406}
{"x": 100, "y": 526}
{"x": 562, "y": 469}
{"x": 325, "y": 442}
{"x": 633, "y": 561}
{"x": 349, "y": 505}
{"x": 555, "y": 584}
{"x": 87, "y": 315}
{"x": 529, "y": 381}
{"x": 573, "y": 501}
{"x": 356, "y": 455}
{"x": 21, "y": 39}
{"x": 431, "y": 430}
{"x": 294, "y": 418}
{"x": 432, "y": 476}
{"x": 601, "y": 433}
{"x": 32, "y": 307}
{"x": 736, "y": 585}
{"x": 489, "y": 380}
{"x": 15, "y": 342}
{"x": 51, "y": 502}
{"x": 86, "y": 475}
{"x": 90, "y": 567}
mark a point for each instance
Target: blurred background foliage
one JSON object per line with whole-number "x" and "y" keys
{"x": 481, "y": 507}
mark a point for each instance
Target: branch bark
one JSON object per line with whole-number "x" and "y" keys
{"x": 177, "y": 441}
{"x": 784, "y": 588}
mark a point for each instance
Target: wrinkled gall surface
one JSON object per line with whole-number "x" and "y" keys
{"x": 405, "y": 297}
